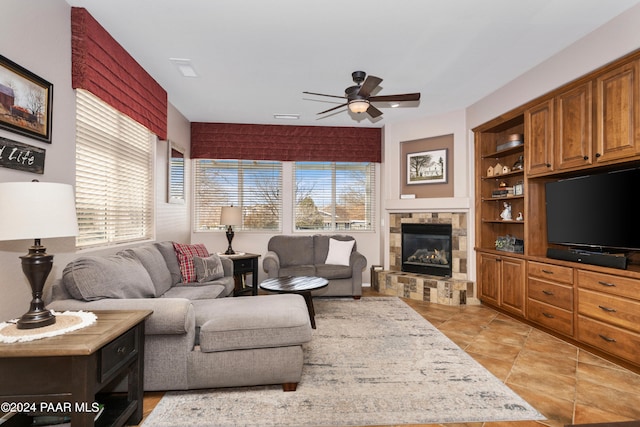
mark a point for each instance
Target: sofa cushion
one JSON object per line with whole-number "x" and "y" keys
{"x": 339, "y": 252}
{"x": 298, "y": 270}
{"x": 321, "y": 245}
{"x": 92, "y": 278}
{"x": 169, "y": 254}
{"x": 185, "y": 254}
{"x": 196, "y": 291}
{"x": 208, "y": 269}
{"x": 153, "y": 261}
{"x": 292, "y": 250}
{"x": 332, "y": 271}
{"x": 255, "y": 322}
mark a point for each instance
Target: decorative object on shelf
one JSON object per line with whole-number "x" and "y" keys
{"x": 509, "y": 243}
{"x": 490, "y": 171}
{"x": 519, "y": 164}
{"x": 230, "y": 216}
{"x": 518, "y": 189}
{"x": 514, "y": 140}
{"x": 503, "y": 184}
{"x": 520, "y": 217}
{"x": 35, "y": 210}
{"x": 505, "y": 169}
{"x": 497, "y": 169}
{"x": 427, "y": 167}
{"x": 506, "y": 212}
{"x": 26, "y": 101}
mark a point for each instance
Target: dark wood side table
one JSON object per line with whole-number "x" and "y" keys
{"x": 243, "y": 264}
{"x": 69, "y": 371}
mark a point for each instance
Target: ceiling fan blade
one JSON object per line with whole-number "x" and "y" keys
{"x": 373, "y": 112}
{"x": 334, "y": 108}
{"x": 370, "y": 83}
{"x": 400, "y": 97}
{"x": 322, "y": 94}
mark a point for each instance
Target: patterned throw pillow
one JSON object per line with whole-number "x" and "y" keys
{"x": 208, "y": 269}
{"x": 185, "y": 254}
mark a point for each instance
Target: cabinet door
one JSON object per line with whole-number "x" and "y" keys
{"x": 513, "y": 285}
{"x": 539, "y": 126}
{"x": 574, "y": 128}
{"x": 489, "y": 278}
{"x": 618, "y": 113}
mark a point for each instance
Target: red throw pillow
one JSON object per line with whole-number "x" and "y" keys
{"x": 185, "y": 254}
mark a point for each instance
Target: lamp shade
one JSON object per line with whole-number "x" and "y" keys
{"x": 37, "y": 210}
{"x": 358, "y": 105}
{"x": 231, "y": 215}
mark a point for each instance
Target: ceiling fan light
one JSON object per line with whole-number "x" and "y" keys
{"x": 358, "y": 105}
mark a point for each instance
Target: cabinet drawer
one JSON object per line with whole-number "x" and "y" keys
{"x": 551, "y": 293}
{"x": 611, "y": 309}
{"x": 242, "y": 265}
{"x": 552, "y": 317}
{"x": 557, "y": 273}
{"x": 614, "y": 285}
{"x": 611, "y": 339}
{"x": 117, "y": 353}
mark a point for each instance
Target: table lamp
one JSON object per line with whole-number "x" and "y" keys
{"x": 230, "y": 216}
{"x": 36, "y": 210}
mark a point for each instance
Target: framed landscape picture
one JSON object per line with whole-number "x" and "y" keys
{"x": 427, "y": 167}
{"x": 25, "y": 101}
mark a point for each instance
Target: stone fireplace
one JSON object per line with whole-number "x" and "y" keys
{"x": 426, "y": 249}
{"x": 453, "y": 288}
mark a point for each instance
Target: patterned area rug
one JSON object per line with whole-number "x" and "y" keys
{"x": 371, "y": 362}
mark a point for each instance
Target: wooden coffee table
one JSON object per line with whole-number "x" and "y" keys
{"x": 302, "y": 285}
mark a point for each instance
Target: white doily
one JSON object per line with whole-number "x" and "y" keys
{"x": 65, "y": 322}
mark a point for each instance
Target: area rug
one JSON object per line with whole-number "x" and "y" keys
{"x": 373, "y": 361}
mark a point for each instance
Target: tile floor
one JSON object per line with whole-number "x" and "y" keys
{"x": 566, "y": 384}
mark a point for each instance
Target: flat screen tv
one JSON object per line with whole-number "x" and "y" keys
{"x": 595, "y": 212}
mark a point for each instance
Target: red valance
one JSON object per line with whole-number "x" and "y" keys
{"x": 104, "y": 68}
{"x": 285, "y": 143}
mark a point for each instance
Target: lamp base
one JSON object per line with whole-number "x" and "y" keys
{"x": 36, "y": 265}
{"x": 230, "y": 235}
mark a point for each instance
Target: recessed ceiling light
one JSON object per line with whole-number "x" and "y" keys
{"x": 286, "y": 116}
{"x": 184, "y": 66}
{"x": 395, "y": 105}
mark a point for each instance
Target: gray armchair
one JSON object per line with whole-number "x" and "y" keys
{"x": 308, "y": 256}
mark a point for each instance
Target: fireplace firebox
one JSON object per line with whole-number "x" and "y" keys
{"x": 426, "y": 249}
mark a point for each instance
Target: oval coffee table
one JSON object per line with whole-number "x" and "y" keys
{"x": 302, "y": 285}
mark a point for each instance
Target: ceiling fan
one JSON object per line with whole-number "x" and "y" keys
{"x": 359, "y": 97}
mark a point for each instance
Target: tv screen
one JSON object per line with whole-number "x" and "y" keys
{"x": 595, "y": 211}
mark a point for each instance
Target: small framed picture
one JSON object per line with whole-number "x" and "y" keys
{"x": 25, "y": 101}
{"x": 518, "y": 189}
{"x": 427, "y": 167}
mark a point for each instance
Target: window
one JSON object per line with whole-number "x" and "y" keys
{"x": 334, "y": 196}
{"x": 114, "y": 175}
{"x": 255, "y": 186}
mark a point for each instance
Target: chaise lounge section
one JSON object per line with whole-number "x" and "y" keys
{"x": 197, "y": 336}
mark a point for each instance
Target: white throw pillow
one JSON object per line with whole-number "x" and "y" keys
{"x": 339, "y": 252}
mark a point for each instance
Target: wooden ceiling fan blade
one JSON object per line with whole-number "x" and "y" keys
{"x": 334, "y": 108}
{"x": 373, "y": 112}
{"x": 399, "y": 97}
{"x": 323, "y": 94}
{"x": 370, "y": 83}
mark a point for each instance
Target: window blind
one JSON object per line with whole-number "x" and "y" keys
{"x": 334, "y": 196}
{"x": 114, "y": 175}
{"x": 255, "y": 186}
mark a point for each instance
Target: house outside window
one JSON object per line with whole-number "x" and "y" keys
{"x": 255, "y": 186}
{"x": 334, "y": 196}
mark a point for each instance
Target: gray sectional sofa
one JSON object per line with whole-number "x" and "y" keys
{"x": 335, "y": 258}
{"x": 196, "y": 337}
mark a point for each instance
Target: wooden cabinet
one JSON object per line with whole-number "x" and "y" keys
{"x": 550, "y": 296}
{"x": 618, "y": 113}
{"x": 539, "y": 134}
{"x": 574, "y": 128}
{"x": 502, "y": 282}
{"x": 609, "y": 313}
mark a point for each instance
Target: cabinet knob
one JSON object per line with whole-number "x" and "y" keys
{"x": 548, "y": 315}
{"x": 607, "y": 309}
{"x": 586, "y": 157}
{"x": 548, "y": 293}
{"x": 548, "y": 165}
{"x": 598, "y": 154}
{"x": 606, "y": 338}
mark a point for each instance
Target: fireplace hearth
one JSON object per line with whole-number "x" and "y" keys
{"x": 426, "y": 249}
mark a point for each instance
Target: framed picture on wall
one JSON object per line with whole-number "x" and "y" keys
{"x": 25, "y": 101}
{"x": 427, "y": 167}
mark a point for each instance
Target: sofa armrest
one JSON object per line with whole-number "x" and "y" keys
{"x": 358, "y": 262}
{"x": 271, "y": 264}
{"x": 227, "y": 266}
{"x": 171, "y": 316}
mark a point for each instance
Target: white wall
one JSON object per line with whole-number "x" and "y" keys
{"x": 37, "y": 36}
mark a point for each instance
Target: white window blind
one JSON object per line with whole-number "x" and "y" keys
{"x": 334, "y": 196}
{"x": 255, "y": 186}
{"x": 114, "y": 175}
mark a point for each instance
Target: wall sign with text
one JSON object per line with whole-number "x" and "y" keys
{"x": 15, "y": 155}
